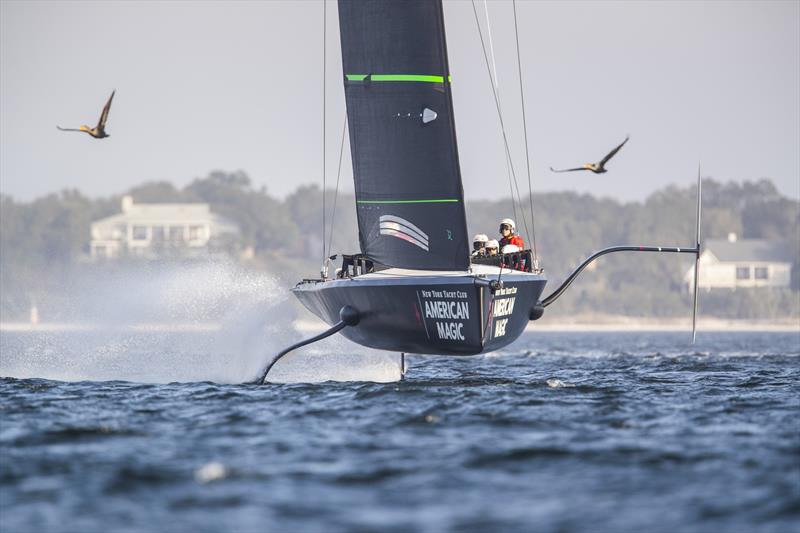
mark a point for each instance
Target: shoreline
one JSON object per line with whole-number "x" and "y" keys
{"x": 710, "y": 326}
{"x": 598, "y": 322}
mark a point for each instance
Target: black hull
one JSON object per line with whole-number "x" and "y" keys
{"x": 428, "y": 314}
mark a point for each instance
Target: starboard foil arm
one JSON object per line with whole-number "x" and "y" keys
{"x": 552, "y": 297}
{"x": 567, "y": 282}
{"x": 348, "y": 316}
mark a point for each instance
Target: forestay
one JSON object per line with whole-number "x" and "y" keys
{"x": 409, "y": 197}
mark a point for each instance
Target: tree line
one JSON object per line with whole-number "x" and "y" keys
{"x": 45, "y": 241}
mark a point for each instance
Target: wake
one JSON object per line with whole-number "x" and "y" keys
{"x": 212, "y": 322}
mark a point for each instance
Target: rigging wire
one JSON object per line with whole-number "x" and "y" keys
{"x": 525, "y": 129}
{"x": 499, "y": 115}
{"x": 497, "y": 88}
{"x": 511, "y": 187}
{"x": 336, "y": 193}
{"x": 491, "y": 42}
{"x": 324, "y": 64}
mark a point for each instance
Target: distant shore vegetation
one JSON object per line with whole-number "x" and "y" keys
{"x": 44, "y": 243}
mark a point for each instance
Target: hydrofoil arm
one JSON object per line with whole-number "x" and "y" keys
{"x": 567, "y": 282}
{"x": 539, "y": 308}
{"x": 347, "y": 317}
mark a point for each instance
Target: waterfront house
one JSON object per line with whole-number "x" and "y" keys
{"x": 160, "y": 230}
{"x": 735, "y": 263}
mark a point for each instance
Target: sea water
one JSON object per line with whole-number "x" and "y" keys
{"x": 146, "y": 431}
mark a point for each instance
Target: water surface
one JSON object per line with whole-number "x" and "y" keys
{"x": 559, "y": 432}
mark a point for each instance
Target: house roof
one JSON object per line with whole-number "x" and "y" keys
{"x": 168, "y": 214}
{"x": 754, "y": 250}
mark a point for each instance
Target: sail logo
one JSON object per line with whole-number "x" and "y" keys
{"x": 401, "y": 228}
{"x": 447, "y": 311}
{"x": 503, "y": 307}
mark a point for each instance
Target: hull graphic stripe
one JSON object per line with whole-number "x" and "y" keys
{"x": 422, "y": 316}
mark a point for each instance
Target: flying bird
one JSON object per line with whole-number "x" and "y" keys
{"x": 597, "y": 168}
{"x": 99, "y": 131}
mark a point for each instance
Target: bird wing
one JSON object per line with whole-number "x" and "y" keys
{"x": 612, "y": 153}
{"x": 68, "y": 129}
{"x": 568, "y": 169}
{"x": 104, "y": 115}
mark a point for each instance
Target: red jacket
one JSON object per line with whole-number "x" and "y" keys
{"x": 515, "y": 240}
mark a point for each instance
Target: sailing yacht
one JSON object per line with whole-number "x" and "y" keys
{"x": 413, "y": 284}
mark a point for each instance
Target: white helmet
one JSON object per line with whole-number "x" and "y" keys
{"x": 479, "y": 243}
{"x": 510, "y": 249}
{"x": 510, "y": 222}
{"x": 492, "y": 244}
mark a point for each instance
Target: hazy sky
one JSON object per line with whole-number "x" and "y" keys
{"x": 237, "y": 85}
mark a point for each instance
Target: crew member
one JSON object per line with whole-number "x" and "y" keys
{"x": 492, "y": 247}
{"x": 509, "y": 232}
{"x": 479, "y": 245}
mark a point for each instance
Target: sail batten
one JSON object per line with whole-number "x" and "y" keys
{"x": 433, "y": 201}
{"x": 402, "y": 134}
{"x": 426, "y": 78}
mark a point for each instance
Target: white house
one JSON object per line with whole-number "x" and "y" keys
{"x": 734, "y": 263}
{"x": 159, "y": 230}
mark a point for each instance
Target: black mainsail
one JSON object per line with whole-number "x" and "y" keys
{"x": 409, "y": 197}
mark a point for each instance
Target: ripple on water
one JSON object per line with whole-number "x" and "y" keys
{"x": 612, "y": 432}
{"x": 74, "y": 435}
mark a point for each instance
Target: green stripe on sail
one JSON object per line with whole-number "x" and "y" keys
{"x": 397, "y": 77}
{"x": 437, "y": 201}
